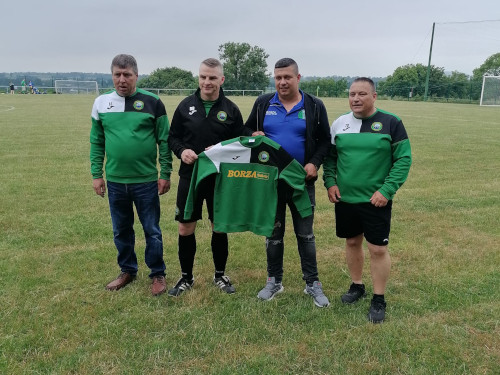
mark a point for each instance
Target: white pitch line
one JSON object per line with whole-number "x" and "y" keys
{"x": 7, "y": 108}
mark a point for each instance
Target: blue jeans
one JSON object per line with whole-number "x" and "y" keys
{"x": 122, "y": 198}
{"x": 306, "y": 241}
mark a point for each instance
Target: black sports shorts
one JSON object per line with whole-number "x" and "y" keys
{"x": 205, "y": 192}
{"x": 352, "y": 219}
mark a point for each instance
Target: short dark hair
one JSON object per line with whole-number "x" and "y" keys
{"x": 367, "y": 80}
{"x": 285, "y": 63}
{"x": 213, "y": 63}
{"x": 124, "y": 61}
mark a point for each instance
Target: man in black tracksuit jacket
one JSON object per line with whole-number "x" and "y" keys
{"x": 201, "y": 120}
{"x": 299, "y": 123}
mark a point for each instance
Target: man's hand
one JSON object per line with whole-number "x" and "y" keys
{"x": 99, "y": 186}
{"x": 258, "y": 132}
{"x": 163, "y": 186}
{"x": 188, "y": 156}
{"x": 334, "y": 194}
{"x": 311, "y": 171}
{"x": 378, "y": 200}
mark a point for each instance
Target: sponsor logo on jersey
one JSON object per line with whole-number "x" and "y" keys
{"x": 271, "y": 113}
{"x": 222, "y": 116}
{"x": 263, "y": 156}
{"x": 192, "y": 110}
{"x": 138, "y": 105}
{"x": 110, "y": 105}
{"x": 247, "y": 174}
{"x": 346, "y": 126}
{"x": 302, "y": 114}
{"x": 376, "y": 126}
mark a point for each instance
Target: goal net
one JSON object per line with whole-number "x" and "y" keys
{"x": 70, "y": 86}
{"x": 490, "y": 92}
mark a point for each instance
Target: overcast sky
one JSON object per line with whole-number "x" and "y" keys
{"x": 325, "y": 37}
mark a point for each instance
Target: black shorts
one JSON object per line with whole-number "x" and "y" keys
{"x": 205, "y": 192}
{"x": 374, "y": 222}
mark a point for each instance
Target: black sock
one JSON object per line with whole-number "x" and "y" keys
{"x": 187, "y": 251}
{"x": 378, "y": 297}
{"x": 219, "y": 252}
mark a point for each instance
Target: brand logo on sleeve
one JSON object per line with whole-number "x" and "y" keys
{"x": 192, "y": 110}
{"x": 376, "y": 126}
{"x": 222, "y": 116}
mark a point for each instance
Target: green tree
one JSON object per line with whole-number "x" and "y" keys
{"x": 491, "y": 66}
{"x": 325, "y": 87}
{"x": 169, "y": 78}
{"x": 244, "y": 66}
{"x": 458, "y": 85}
{"x": 411, "y": 77}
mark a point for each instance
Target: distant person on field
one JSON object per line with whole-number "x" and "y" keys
{"x": 201, "y": 120}
{"x": 23, "y": 86}
{"x": 12, "y": 88}
{"x": 30, "y": 85}
{"x": 299, "y": 123}
{"x": 130, "y": 129}
{"x": 369, "y": 161}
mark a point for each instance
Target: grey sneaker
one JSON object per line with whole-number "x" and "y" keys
{"x": 181, "y": 286}
{"x": 270, "y": 290}
{"x": 224, "y": 284}
{"x": 316, "y": 292}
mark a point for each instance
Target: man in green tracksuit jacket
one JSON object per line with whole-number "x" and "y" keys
{"x": 369, "y": 161}
{"x": 130, "y": 128}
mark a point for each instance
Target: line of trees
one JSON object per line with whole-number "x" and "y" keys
{"x": 245, "y": 68}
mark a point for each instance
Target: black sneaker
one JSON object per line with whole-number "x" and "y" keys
{"x": 355, "y": 292}
{"x": 377, "y": 311}
{"x": 224, "y": 284}
{"x": 181, "y": 286}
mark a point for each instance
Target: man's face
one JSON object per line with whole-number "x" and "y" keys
{"x": 210, "y": 80}
{"x": 124, "y": 80}
{"x": 362, "y": 99}
{"x": 286, "y": 81}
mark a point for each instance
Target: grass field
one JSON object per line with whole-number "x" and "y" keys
{"x": 57, "y": 253}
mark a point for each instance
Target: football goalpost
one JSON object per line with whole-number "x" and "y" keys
{"x": 71, "y": 86}
{"x": 490, "y": 92}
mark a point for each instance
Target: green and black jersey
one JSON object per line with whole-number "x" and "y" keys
{"x": 130, "y": 132}
{"x": 248, "y": 170}
{"x": 368, "y": 154}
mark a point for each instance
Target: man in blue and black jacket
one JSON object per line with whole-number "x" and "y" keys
{"x": 299, "y": 123}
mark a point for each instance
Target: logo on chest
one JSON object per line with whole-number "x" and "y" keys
{"x": 222, "y": 116}
{"x": 376, "y": 126}
{"x": 138, "y": 105}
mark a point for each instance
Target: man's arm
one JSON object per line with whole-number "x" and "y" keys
{"x": 176, "y": 134}
{"x": 97, "y": 152}
{"x": 330, "y": 175}
{"x": 401, "y": 156}
{"x": 164, "y": 153}
{"x": 322, "y": 134}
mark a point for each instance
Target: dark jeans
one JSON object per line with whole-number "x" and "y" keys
{"x": 306, "y": 242}
{"x": 122, "y": 198}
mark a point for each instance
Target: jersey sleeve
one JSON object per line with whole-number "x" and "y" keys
{"x": 295, "y": 176}
{"x": 203, "y": 167}
{"x": 162, "y": 129}
{"x": 97, "y": 142}
{"x": 401, "y": 156}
